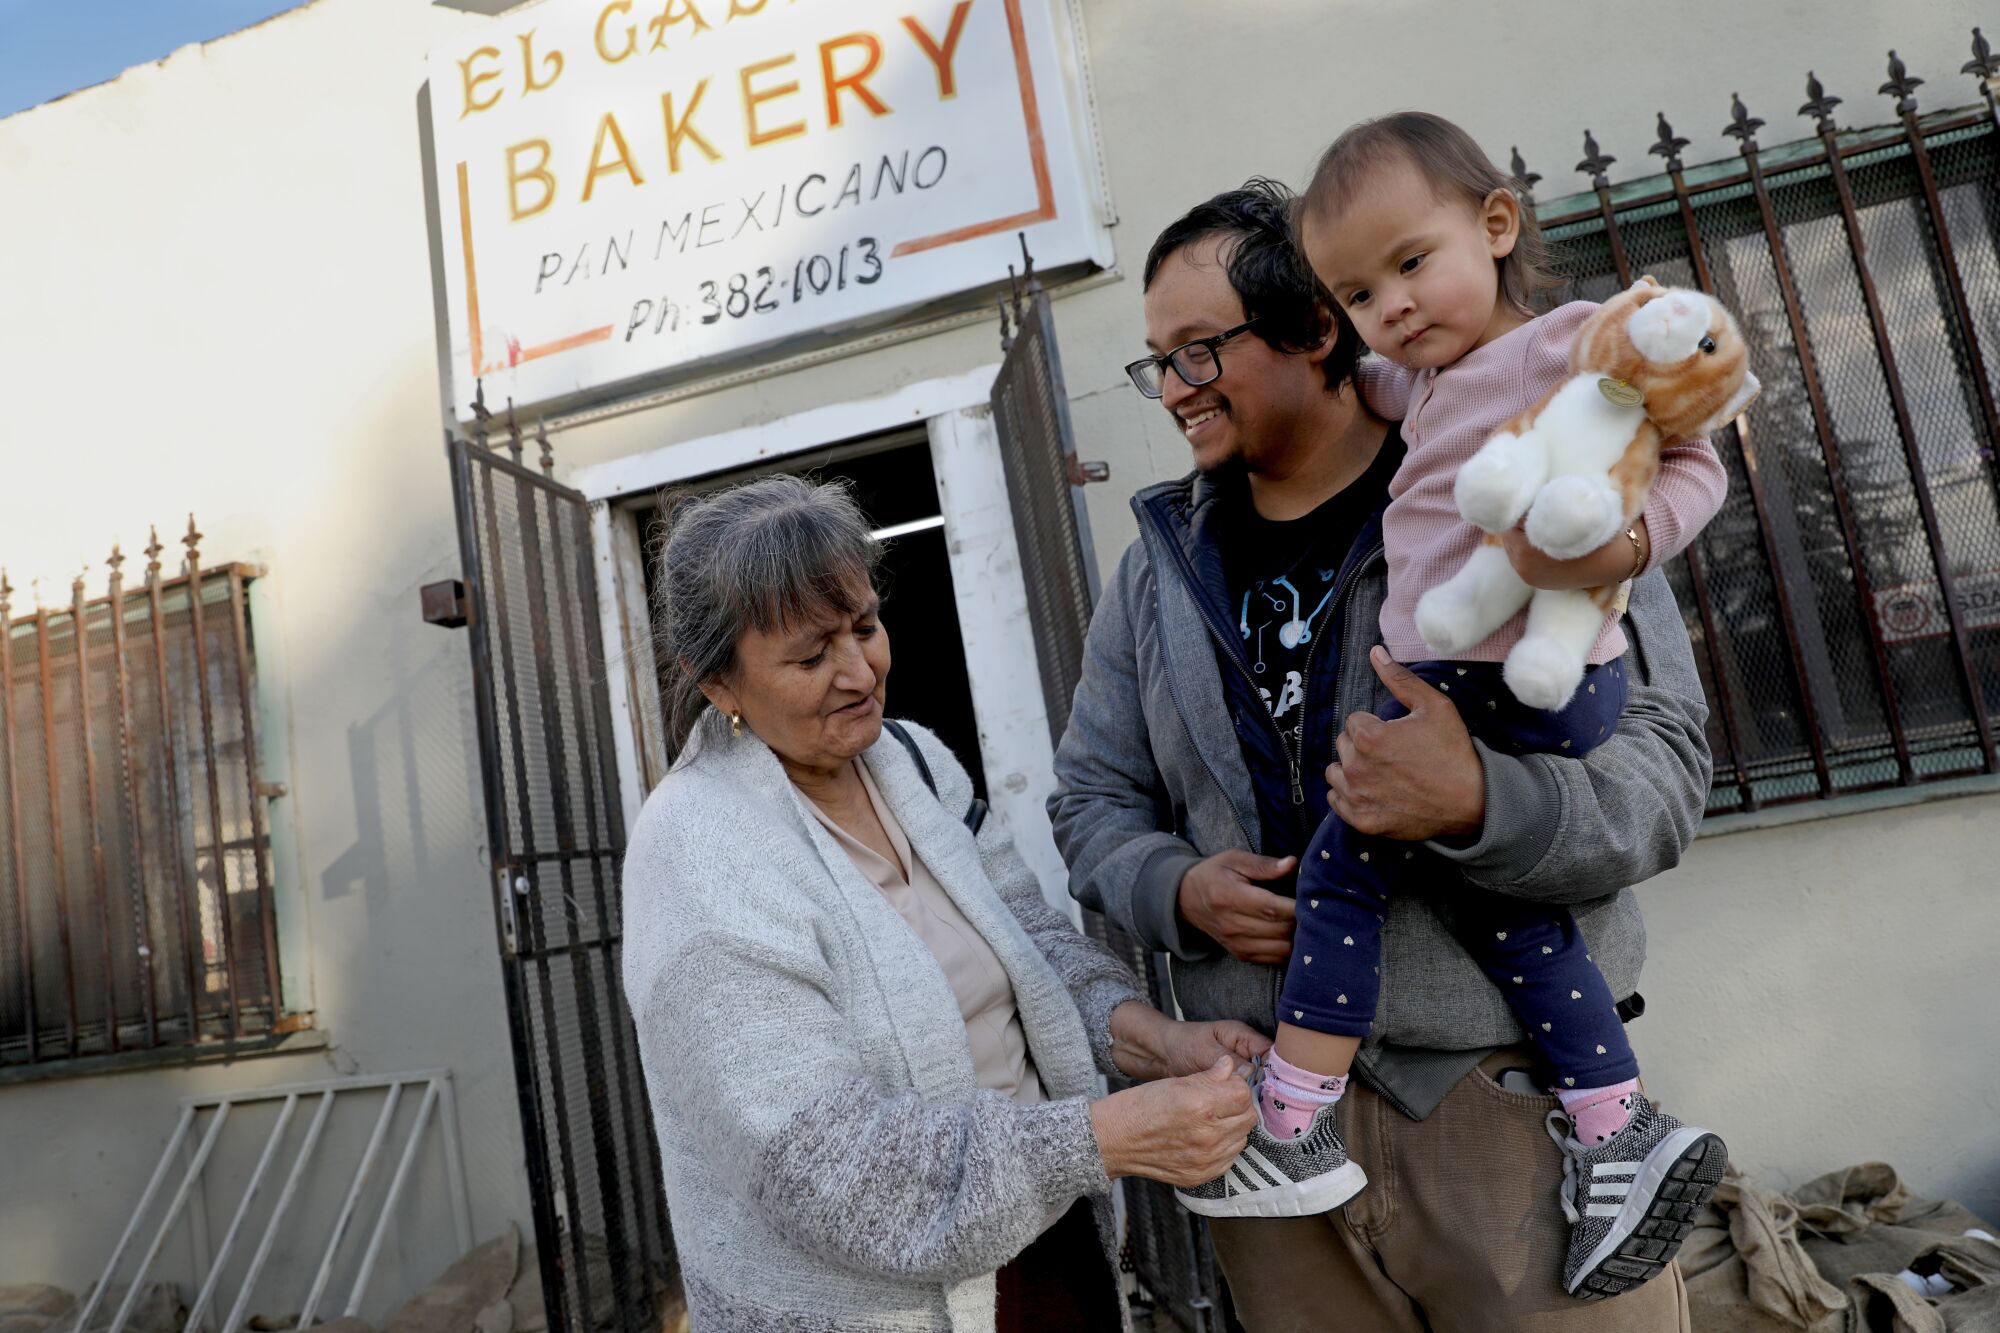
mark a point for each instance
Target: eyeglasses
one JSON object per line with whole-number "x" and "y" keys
{"x": 1197, "y": 363}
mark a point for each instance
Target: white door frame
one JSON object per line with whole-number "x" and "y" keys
{"x": 989, "y": 588}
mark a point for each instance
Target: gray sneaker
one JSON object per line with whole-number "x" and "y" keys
{"x": 1282, "y": 1177}
{"x": 1632, "y": 1201}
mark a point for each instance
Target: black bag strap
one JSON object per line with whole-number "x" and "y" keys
{"x": 975, "y": 814}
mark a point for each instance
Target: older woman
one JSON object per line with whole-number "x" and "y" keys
{"x": 871, "y": 1045}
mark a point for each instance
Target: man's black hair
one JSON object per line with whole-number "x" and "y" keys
{"x": 1294, "y": 313}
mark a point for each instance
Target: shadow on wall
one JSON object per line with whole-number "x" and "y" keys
{"x": 407, "y": 972}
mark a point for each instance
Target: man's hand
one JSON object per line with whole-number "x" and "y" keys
{"x": 1219, "y": 896}
{"x": 1412, "y": 778}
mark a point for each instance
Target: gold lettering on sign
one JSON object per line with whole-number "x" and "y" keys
{"x": 857, "y": 82}
{"x": 621, "y": 161}
{"x": 539, "y": 172}
{"x": 472, "y": 81}
{"x": 753, "y": 98}
{"x": 676, "y": 11}
{"x": 942, "y": 54}
{"x": 554, "y": 60}
{"x": 684, "y": 130}
{"x": 743, "y": 9}
{"x": 631, "y": 34}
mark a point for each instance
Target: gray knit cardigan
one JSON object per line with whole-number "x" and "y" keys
{"x": 831, "y": 1164}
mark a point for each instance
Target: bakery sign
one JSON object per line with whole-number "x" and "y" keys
{"x": 629, "y": 189}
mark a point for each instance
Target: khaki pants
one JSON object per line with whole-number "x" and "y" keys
{"x": 1458, "y": 1230}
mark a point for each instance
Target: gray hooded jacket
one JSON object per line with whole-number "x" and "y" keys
{"x": 1151, "y": 778}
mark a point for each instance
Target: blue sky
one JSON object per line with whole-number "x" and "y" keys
{"x": 52, "y": 47}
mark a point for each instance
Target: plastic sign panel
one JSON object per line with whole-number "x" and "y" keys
{"x": 634, "y": 188}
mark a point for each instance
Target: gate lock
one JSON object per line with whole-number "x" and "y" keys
{"x": 444, "y": 603}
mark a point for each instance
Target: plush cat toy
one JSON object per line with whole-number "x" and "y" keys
{"x": 1654, "y": 366}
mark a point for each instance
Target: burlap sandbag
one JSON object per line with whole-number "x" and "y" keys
{"x": 1863, "y": 1220}
{"x": 1745, "y": 1268}
{"x": 1825, "y": 1259}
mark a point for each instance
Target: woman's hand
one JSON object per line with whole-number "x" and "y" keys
{"x": 1194, "y": 1047}
{"x": 1183, "y": 1131}
{"x": 1146, "y": 1044}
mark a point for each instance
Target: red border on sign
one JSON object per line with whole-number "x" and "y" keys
{"x": 1043, "y": 211}
{"x": 516, "y": 354}
{"x": 1038, "y": 154}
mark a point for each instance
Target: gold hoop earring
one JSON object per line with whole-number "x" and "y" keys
{"x": 736, "y": 725}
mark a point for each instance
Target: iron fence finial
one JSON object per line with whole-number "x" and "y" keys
{"x": 1669, "y": 145}
{"x": 548, "y": 450}
{"x": 1982, "y": 62}
{"x": 193, "y": 542}
{"x": 153, "y": 549}
{"x": 1902, "y": 86}
{"x": 480, "y": 414}
{"x": 1595, "y": 160}
{"x": 117, "y": 559}
{"x": 514, "y": 446}
{"x": 1819, "y": 104}
{"x": 1742, "y": 126}
{"x": 1522, "y": 175}
{"x": 6, "y": 596}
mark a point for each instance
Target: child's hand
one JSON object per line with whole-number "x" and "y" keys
{"x": 1608, "y": 564}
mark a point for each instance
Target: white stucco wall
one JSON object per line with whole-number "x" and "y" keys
{"x": 1822, "y": 994}
{"x": 217, "y": 297}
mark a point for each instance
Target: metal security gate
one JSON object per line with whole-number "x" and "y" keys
{"x": 556, "y": 836}
{"x": 1166, "y": 1246}
{"x": 1045, "y": 491}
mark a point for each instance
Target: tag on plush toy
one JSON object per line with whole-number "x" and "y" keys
{"x": 1622, "y": 600}
{"x": 1620, "y": 392}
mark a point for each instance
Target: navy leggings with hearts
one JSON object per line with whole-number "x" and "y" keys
{"x": 1532, "y": 951}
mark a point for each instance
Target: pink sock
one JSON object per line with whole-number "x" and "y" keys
{"x": 1289, "y": 1096}
{"x": 1598, "y": 1113}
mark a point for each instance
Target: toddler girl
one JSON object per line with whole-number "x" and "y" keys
{"x": 1423, "y": 247}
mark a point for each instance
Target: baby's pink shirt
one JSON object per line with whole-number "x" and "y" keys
{"x": 1447, "y": 415}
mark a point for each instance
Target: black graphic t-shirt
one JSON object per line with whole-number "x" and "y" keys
{"x": 1280, "y": 575}
{"x": 1280, "y": 579}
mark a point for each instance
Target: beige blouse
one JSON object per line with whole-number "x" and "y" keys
{"x": 985, "y": 995}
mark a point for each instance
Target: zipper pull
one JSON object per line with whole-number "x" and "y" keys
{"x": 1298, "y": 792}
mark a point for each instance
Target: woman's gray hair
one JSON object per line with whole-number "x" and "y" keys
{"x": 765, "y": 555}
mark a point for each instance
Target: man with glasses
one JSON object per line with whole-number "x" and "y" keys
{"x": 1226, "y": 671}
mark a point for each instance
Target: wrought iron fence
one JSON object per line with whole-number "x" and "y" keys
{"x": 1845, "y": 604}
{"x": 135, "y": 866}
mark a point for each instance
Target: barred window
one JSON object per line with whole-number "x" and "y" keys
{"x": 1845, "y": 604}
{"x": 135, "y": 860}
